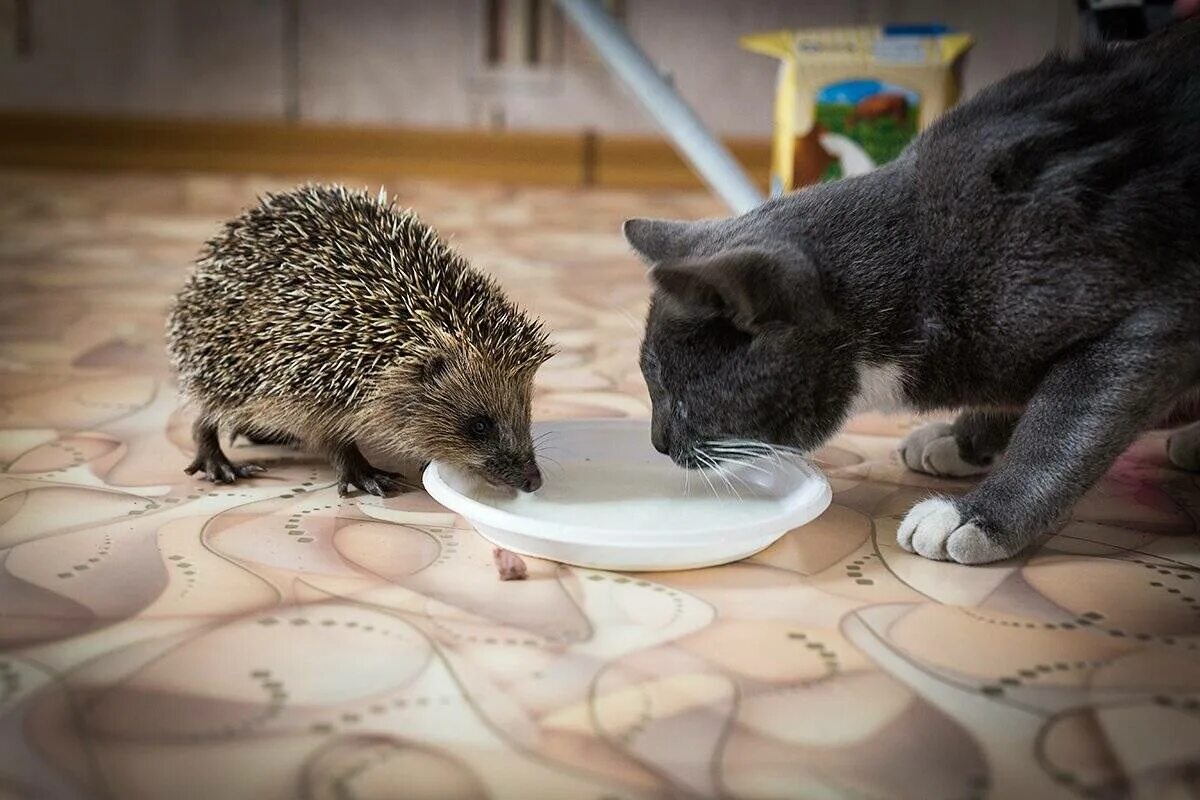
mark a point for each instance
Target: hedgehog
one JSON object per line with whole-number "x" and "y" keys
{"x": 329, "y": 318}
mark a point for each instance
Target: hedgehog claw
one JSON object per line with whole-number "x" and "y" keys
{"x": 378, "y": 482}
{"x": 220, "y": 470}
{"x": 354, "y": 470}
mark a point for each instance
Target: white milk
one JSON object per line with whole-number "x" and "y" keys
{"x": 638, "y": 497}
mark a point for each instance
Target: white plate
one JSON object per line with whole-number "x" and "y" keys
{"x": 612, "y": 502}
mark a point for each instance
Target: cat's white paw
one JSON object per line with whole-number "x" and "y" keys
{"x": 934, "y": 529}
{"x": 931, "y": 449}
{"x": 1183, "y": 448}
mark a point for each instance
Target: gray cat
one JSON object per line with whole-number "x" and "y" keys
{"x": 1033, "y": 258}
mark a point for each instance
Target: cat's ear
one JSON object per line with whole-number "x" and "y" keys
{"x": 659, "y": 240}
{"x": 747, "y": 286}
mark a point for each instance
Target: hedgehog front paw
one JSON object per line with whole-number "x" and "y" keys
{"x": 378, "y": 482}
{"x": 219, "y": 469}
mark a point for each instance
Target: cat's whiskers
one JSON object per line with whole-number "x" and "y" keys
{"x": 783, "y": 448}
{"x": 725, "y": 457}
{"x": 756, "y": 449}
{"x": 704, "y": 475}
{"x": 740, "y": 451}
{"x": 720, "y": 471}
{"x": 749, "y": 443}
{"x": 728, "y": 462}
{"x": 759, "y": 449}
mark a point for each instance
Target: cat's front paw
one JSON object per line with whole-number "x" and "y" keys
{"x": 935, "y": 529}
{"x": 933, "y": 450}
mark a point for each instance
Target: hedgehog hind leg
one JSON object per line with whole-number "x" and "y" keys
{"x": 210, "y": 460}
{"x": 353, "y": 469}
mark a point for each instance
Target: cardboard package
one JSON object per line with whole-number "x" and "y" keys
{"x": 849, "y": 99}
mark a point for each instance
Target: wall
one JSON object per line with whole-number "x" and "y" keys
{"x": 148, "y": 57}
{"x": 419, "y": 63}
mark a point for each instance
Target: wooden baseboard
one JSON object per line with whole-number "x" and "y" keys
{"x": 639, "y": 162}
{"x": 523, "y": 158}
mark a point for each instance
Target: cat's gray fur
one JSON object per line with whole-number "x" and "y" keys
{"x": 1033, "y": 257}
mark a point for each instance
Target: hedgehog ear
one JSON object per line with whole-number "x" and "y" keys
{"x": 658, "y": 240}
{"x": 434, "y": 368}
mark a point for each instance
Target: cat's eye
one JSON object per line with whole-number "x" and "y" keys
{"x": 480, "y": 427}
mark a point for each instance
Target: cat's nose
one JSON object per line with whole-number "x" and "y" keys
{"x": 658, "y": 437}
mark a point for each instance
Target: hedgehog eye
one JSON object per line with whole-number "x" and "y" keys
{"x": 480, "y": 427}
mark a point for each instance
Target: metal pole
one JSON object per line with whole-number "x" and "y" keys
{"x": 702, "y": 150}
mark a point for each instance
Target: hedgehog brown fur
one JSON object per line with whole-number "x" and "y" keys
{"x": 329, "y": 317}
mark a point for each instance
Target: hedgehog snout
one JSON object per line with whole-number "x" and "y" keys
{"x": 514, "y": 470}
{"x": 531, "y": 478}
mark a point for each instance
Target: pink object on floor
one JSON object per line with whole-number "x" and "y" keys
{"x": 509, "y": 565}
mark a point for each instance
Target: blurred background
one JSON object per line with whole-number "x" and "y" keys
{"x": 161, "y": 637}
{"x": 491, "y": 89}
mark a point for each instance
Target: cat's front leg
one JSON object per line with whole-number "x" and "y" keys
{"x": 1088, "y": 409}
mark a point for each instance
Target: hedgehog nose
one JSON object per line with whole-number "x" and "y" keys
{"x": 531, "y": 479}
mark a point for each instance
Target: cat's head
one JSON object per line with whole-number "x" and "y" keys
{"x": 741, "y": 341}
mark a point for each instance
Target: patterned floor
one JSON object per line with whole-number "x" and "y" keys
{"x": 159, "y": 638}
